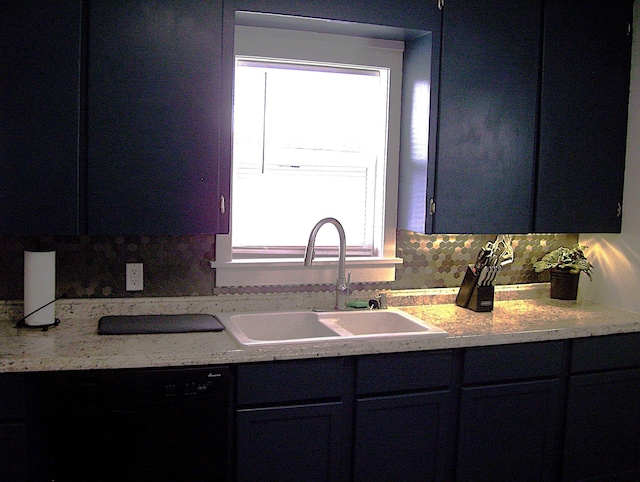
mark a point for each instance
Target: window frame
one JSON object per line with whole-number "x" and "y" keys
{"x": 361, "y": 176}
{"x": 342, "y": 49}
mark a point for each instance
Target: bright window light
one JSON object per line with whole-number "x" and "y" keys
{"x": 309, "y": 142}
{"x": 316, "y": 134}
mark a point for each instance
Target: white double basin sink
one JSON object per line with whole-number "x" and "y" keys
{"x": 253, "y": 330}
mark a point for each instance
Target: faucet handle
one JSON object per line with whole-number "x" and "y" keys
{"x": 378, "y": 302}
{"x": 344, "y": 285}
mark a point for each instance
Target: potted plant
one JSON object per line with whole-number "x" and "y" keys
{"x": 565, "y": 265}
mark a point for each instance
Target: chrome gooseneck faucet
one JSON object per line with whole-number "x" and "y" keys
{"x": 342, "y": 284}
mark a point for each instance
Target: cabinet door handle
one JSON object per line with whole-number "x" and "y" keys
{"x": 619, "y": 210}
{"x": 223, "y": 205}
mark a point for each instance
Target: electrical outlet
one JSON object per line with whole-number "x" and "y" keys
{"x": 135, "y": 277}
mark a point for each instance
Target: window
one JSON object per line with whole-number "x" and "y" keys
{"x": 309, "y": 143}
{"x": 316, "y": 134}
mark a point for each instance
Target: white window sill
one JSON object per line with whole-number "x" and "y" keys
{"x": 269, "y": 272}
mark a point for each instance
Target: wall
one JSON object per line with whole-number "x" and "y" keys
{"x": 177, "y": 265}
{"x": 616, "y": 257}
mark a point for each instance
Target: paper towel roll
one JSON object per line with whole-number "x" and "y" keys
{"x": 39, "y": 287}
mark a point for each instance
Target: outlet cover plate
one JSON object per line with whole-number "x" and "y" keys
{"x": 134, "y": 277}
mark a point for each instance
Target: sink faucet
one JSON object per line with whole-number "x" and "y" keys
{"x": 342, "y": 284}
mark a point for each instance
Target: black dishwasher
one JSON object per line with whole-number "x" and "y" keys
{"x": 139, "y": 425}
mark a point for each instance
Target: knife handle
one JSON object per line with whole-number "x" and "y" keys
{"x": 483, "y": 276}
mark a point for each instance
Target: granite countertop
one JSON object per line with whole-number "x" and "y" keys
{"x": 520, "y": 314}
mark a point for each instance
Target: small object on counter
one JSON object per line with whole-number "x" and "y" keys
{"x": 148, "y": 324}
{"x": 477, "y": 291}
{"x": 40, "y": 288}
{"x": 565, "y": 265}
{"x": 358, "y": 305}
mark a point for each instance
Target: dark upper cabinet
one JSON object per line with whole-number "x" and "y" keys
{"x": 532, "y": 118}
{"x": 118, "y": 120}
{"x": 39, "y": 88}
{"x": 583, "y": 115}
{"x": 487, "y": 120}
{"x": 154, "y": 105}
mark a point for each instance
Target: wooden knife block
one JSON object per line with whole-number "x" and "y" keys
{"x": 472, "y": 296}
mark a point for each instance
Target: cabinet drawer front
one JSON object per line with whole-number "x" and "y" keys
{"x": 512, "y": 362}
{"x": 605, "y": 352}
{"x": 403, "y": 371}
{"x": 290, "y": 381}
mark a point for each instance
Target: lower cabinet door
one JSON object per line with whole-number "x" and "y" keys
{"x": 13, "y": 452}
{"x": 402, "y": 437}
{"x": 602, "y": 440}
{"x": 509, "y": 432}
{"x": 292, "y": 443}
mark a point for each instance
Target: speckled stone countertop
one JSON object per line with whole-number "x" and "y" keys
{"x": 522, "y": 313}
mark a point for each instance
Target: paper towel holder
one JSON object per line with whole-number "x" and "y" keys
{"x": 22, "y": 321}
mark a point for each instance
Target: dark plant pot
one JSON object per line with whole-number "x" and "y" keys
{"x": 564, "y": 284}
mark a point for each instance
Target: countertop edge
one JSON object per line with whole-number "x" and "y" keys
{"x": 75, "y": 344}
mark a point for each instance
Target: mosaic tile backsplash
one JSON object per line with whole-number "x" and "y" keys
{"x": 94, "y": 267}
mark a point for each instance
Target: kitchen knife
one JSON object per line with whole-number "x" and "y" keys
{"x": 466, "y": 288}
{"x": 480, "y": 261}
{"x": 483, "y": 276}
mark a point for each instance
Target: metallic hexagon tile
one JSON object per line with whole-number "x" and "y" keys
{"x": 94, "y": 267}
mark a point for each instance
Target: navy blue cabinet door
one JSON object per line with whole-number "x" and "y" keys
{"x": 292, "y": 422}
{"x": 508, "y": 432}
{"x": 583, "y": 115}
{"x": 487, "y": 120}
{"x": 402, "y": 437}
{"x": 291, "y": 443}
{"x": 39, "y": 88}
{"x": 13, "y": 463}
{"x": 13, "y": 431}
{"x": 603, "y": 419}
{"x": 154, "y": 103}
